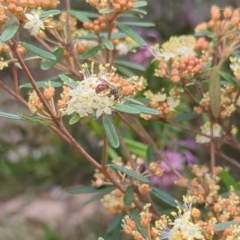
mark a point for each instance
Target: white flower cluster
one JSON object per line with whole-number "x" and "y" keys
{"x": 183, "y": 228}
{"x": 85, "y": 101}
{"x": 206, "y": 129}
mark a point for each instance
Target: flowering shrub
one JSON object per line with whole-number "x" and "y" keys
{"x": 200, "y": 95}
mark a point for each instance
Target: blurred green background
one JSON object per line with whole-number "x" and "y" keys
{"x": 36, "y": 166}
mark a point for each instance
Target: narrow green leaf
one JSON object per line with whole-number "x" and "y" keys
{"x": 74, "y": 119}
{"x": 39, "y": 52}
{"x": 106, "y": 10}
{"x": 135, "y": 147}
{"x": 101, "y": 192}
{"x": 84, "y": 13}
{"x": 130, "y": 65}
{"x": 68, "y": 81}
{"x": 80, "y": 16}
{"x": 126, "y": 109}
{"x": 164, "y": 197}
{"x": 229, "y": 78}
{"x": 124, "y": 71}
{"x": 129, "y": 173}
{"x": 82, "y": 190}
{"x": 10, "y": 115}
{"x": 110, "y": 131}
{"x": 46, "y": 14}
{"x": 92, "y": 52}
{"x": 140, "y": 11}
{"x": 227, "y": 179}
{"x": 44, "y": 83}
{"x": 112, "y": 153}
{"x": 135, "y": 216}
{"x": 186, "y": 116}
{"x": 215, "y": 92}
{"x": 135, "y": 144}
{"x": 150, "y": 155}
{"x": 144, "y": 109}
{"x": 129, "y": 32}
{"x": 204, "y": 33}
{"x": 140, "y": 4}
{"x": 171, "y": 116}
{"x": 36, "y": 119}
{"x": 116, "y": 223}
{"x": 133, "y": 100}
{"x": 140, "y": 24}
{"x": 94, "y": 37}
{"x": 51, "y": 63}
{"x": 9, "y": 32}
{"x": 128, "y": 196}
{"x": 107, "y": 43}
{"x": 222, "y": 226}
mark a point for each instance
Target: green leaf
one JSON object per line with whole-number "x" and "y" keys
{"x": 106, "y": 10}
{"x": 204, "y": 33}
{"x": 82, "y": 190}
{"x": 130, "y": 65}
{"x": 126, "y": 109}
{"x": 164, "y": 197}
{"x": 129, "y": 173}
{"x": 46, "y": 14}
{"x": 222, "y": 226}
{"x": 80, "y": 16}
{"x": 10, "y": 115}
{"x": 94, "y": 37}
{"x": 132, "y": 100}
{"x": 44, "y": 83}
{"x": 110, "y": 131}
{"x": 124, "y": 71}
{"x": 140, "y": 24}
{"x": 128, "y": 196}
{"x": 116, "y": 223}
{"x": 68, "y": 81}
{"x": 101, "y": 192}
{"x": 135, "y": 216}
{"x": 144, "y": 109}
{"x": 150, "y": 155}
{"x": 228, "y": 77}
{"x": 129, "y": 32}
{"x": 171, "y": 116}
{"x": 84, "y": 13}
{"x": 51, "y": 63}
{"x": 107, "y": 43}
{"x": 36, "y": 119}
{"x": 112, "y": 153}
{"x": 9, "y": 32}
{"x": 215, "y": 92}
{"x": 92, "y": 52}
{"x": 135, "y": 147}
{"x": 227, "y": 179}
{"x": 185, "y": 116}
{"x": 39, "y": 52}
{"x": 74, "y": 119}
{"x": 140, "y": 4}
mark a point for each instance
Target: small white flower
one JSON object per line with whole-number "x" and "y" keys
{"x": 206, "y": 129}
{"x": 85, "y": 101}
{"x": 122, "y": 48}
{"x": 34, "y": 23}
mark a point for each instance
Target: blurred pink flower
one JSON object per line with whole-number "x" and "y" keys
{"x": 143, "y": 56}
{"x": 177, "y": 158}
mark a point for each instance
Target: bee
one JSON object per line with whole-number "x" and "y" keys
{"x": 105, "y": 85}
